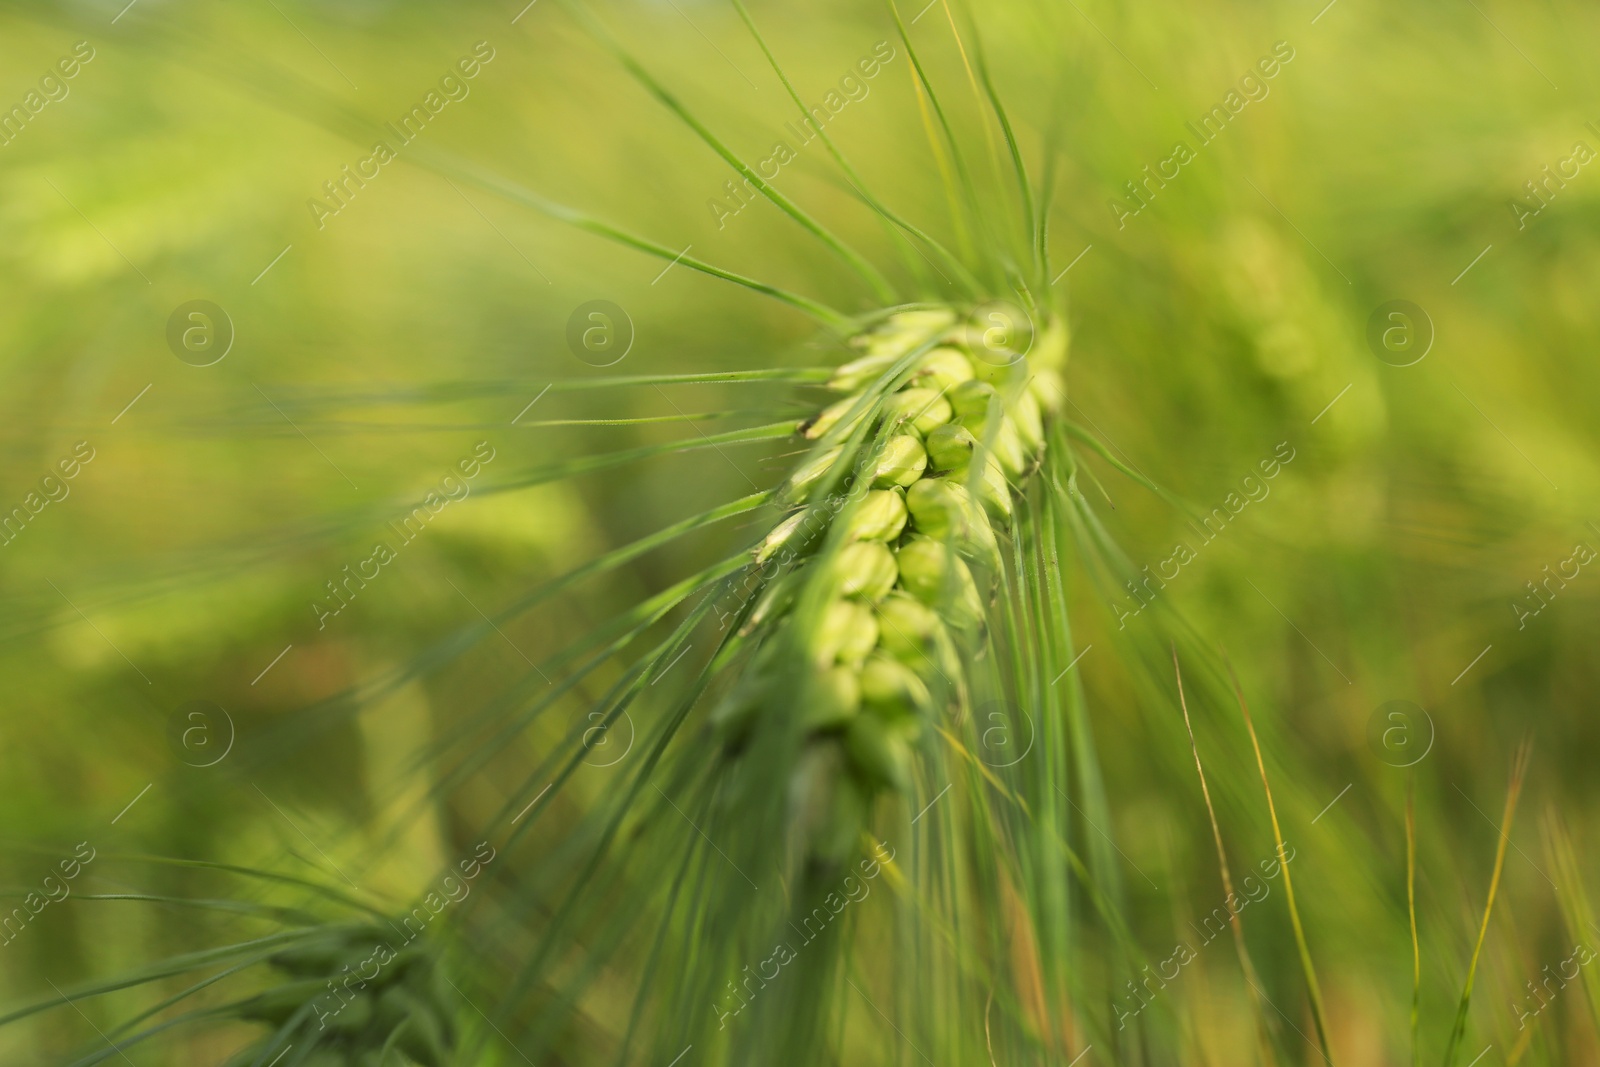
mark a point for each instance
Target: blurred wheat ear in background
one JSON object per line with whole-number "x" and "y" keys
{"x": 704, "y": 533}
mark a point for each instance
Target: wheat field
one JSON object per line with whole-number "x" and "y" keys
{"x": 712, "y": 532}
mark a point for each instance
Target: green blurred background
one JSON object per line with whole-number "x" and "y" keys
{"x": 1219, "y": 321}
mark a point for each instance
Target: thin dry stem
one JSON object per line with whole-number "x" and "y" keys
{"x": 1227, "y": 876}
{"x": 1318, "y": 1013}
{"x": 1519, "y": 769}
{"x": 1411, "y": 910}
